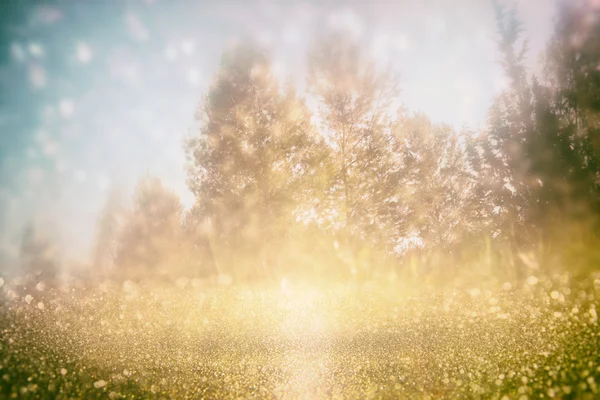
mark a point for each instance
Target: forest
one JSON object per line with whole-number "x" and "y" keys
{"x": 356, "y": 186}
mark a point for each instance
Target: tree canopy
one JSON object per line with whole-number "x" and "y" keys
{"x": 358, "y": 184}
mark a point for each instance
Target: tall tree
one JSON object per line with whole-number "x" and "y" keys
{"x": 356, "y": 101}
{"x": 250, "y": 161}
{"x": 572, "y": 102}
{"x": 505, "y": 147}
{"x": 538, "y": 167}
{"x": 437, "y": 186}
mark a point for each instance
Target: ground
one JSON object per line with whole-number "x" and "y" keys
{"x": 533, "y": 339}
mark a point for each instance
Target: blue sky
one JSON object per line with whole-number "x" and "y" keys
{"x": 96, "y": 94}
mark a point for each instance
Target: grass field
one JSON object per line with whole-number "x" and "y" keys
{"x": 533, "y": 339}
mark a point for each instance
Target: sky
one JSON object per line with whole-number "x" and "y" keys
{"x": 95, "y": 94}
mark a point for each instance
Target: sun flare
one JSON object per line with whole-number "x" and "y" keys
{"x": 299, "y": 200}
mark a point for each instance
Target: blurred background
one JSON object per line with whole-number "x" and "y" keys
{"x": 98, "y": 95}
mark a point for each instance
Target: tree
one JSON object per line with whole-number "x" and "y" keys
{"x": 250, "y": 162}
{"x": 151, "y": 239}
{"x": 572, "y": 103}
{"x": 572, "y": 66}
{"x": 569, "y": 109}
{"x": 537, "y": 167}
{"x": 39, "y": 258}
{"x": 355, "y": 106}
{"x": 108, "y": 229}
{"x": 437, "y": 186}
{"x": 505, "y": 148}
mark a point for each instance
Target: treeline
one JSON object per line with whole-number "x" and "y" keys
{"x": 359, "y": 187}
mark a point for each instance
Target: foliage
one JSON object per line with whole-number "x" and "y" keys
{"x": 249, "y": 163}
{"x": 150, "y": 242}
{"x": 39, "y": 257}
{"x": 357, "y": 185}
